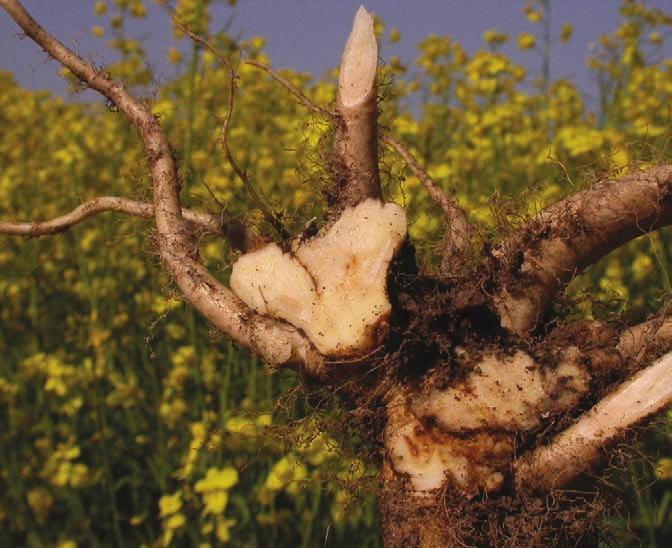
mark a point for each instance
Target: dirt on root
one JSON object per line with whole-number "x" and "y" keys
{"x": 556, "y": 519}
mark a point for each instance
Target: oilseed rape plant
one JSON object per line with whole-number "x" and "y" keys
{"x": 125, "y": 421}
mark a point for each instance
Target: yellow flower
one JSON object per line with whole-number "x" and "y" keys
{"x": 174, "y": 56}
{"x": 136, "y": 520}
{"x": 61, "y": 471}
{"x": 442, "y": 171}
{"x": 97, "y": 31}
{"x": 286, "y": 474}
{"x": 174, "y": 522}
{"x": 257, "y": 42}
{"x": 161, "y": 108}
{"x": 628, "y": 31}
{"x": 342, "y": 507}
{"x": 119, "y": 320}
{"x": 198, "y": 436}
{"x": 566, "y": 32}
{"x": 60, "y": 477}
{"x": 352, "y": 469}
{"x": 215, "y": 502}
{"x": 163, "y": 305}
{"x": 217, "y": 479}
{"x": 494, "y": 38}
{"x": 315, "y": 446}
{"x": 580, "y": 140}
{"x": 630, "y": 55}
{"x": 664, "y": 469}
{"x": 526, "y": 40}
{"x": 405, "y": 126}
{"x": 174, "y": 330}
{"x": 518, "y": 73}
{"x": 56, "y": 385}
{"x": 222, "y": 530}
{"x": 169, "y": 504}
{"x": 138, "y": 10}
{"x": 100, "y": 8}
{"x": 533, "y": 15}
{"x": 395, "y": 36}
{"x": 195, "y": 14}
{"x": 619, "y": 159}
{"x": 240, "y": 425}
{"x": 641, "y": 266}
{"x": 378, "y": 26}
{"x": 40, "y": 501}
{"x": 172, "y": 411}
{"x": 126, "y": 392}
{"x": 209, "y": 58}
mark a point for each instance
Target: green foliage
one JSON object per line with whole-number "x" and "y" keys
{"x": 123, "y": 420}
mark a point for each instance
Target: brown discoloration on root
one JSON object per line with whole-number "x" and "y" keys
{"x": 445, "y": 331}
{"x": 431, "y": 458}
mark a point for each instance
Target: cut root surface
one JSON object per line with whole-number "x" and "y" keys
{"x": 333, "y": 286}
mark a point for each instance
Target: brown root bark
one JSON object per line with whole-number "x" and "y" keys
{"x": 273, "y": 220}
{"x": 458, "y": 231}
{"x": 648, "y": 338}
{"x": 239, "y": 236}
{"x": 356, "y": 131}
{"x": 275, "y": 342}
{"x": 579, "y": 448}
{"x": 544, "y": 254}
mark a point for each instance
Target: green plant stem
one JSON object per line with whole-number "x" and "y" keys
{"x": 308, "y": 527}
{"x": 546, "y": 64}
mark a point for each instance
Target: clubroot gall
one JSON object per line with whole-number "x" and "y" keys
{"x": 485, "y": 415}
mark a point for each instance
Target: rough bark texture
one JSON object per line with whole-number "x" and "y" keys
{"x": 562, "y": 240}
{"x": 275, "y": 342}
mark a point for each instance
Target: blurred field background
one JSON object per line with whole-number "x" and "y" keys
{"x": 125, "y": 421}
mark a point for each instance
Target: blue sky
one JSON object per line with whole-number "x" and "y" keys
{"x": 308, "y": 35}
